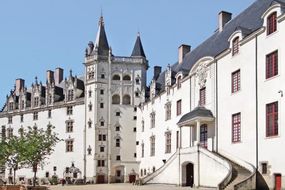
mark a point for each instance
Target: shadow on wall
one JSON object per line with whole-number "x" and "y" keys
{"x": 261, "y": 184}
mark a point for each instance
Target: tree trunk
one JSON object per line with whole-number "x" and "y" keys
{"x": 14, "y": 180}
{"x": 35, "y": 177}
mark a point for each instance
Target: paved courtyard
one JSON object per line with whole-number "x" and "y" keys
{"x": 122, "y": 186}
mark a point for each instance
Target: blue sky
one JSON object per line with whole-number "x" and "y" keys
{"x": 36, "y": 36}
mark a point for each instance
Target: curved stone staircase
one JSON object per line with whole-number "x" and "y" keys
{"x": 241, "y": 177}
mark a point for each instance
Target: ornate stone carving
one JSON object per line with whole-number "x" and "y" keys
{"x": 201, "y": 74}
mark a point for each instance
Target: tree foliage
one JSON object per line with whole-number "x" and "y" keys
{"x": 30, "y": 149}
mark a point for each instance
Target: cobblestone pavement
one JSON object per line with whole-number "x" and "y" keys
{"x": 121, "y": 186}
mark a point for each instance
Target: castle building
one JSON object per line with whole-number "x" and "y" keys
{"x": 94, "y": 114}
{"x": 212, "y": 119}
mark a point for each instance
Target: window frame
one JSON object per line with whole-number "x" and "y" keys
{"x": 236, "y": 128}
{"x": 271, "y": 64}
{"x": 272, "y": 131}
{"x": 271, "y": 23}
{"x": 235, "y": 46}
{"x": 236, "y": 82}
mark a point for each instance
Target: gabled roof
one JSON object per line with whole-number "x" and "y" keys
{"x": 101, "y": 40}
{"x": 138, "y": 48}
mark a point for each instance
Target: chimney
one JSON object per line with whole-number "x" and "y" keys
{"x": 50, "y": 76}
{"x": 58, "y": 76}
{"x": 20, "y": 84}
{"x": 224, "y": 18}
{"x": 156, "y": 72}
{"x": 182, "y": 51}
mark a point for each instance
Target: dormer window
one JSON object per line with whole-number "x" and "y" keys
{"x": 36, "y": 101}
{"x": 49, "y": 99}
{"x": 235, "y": 46}
{"x": 11, "y": 106}
{"x": 70, "y": 95}
{"x": 179, "y": 82}
{"x": 271, "y": 23}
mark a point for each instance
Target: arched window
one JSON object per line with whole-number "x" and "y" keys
{"x": 127, "y": 77}
{"x": 126, "y": 100}
{"x": 179, "y": 82}
{"x": 271, "y": 23}
{"x": 116, "y": 99}
{"x": 235, "y": 46}
{"x": 116, "y": 77}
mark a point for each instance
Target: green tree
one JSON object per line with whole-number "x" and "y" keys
{"x": 38, "y": 145}
{"x": 11, "y": 153}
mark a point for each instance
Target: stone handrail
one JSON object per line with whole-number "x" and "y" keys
{"x": 222, "y": 161}
{"x": 248, "y": 183}
{"x": 159, "y": 170}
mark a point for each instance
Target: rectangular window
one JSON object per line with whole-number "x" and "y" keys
{"x": 102, "y": 76}
{"x": 100, "y": 163}
{"x": 69, "y": 126}
{"x": 135, "y": 117}
{"x": 142, "y": 150}
{"x": 49, "y": 99}
{"x": 90, "y": 107}
{"x": 235, "y": 81}
{"x": 235, "y": 46}
{"x": 135, "y": 129}
{"x": 202, "y": 97}
{"x": 168, "y": 142}
{"x": 118, "y": 143}
{"x": 152, "y": 120}
{"x": 10, "y": 132}
{"x": 49, "y": 113}
{"x": 118, "y": 157}
{"x": 36, "y": 101}
{"x": 102, "y": 123}
{"x": 101, "y": 105}
{"x": 101, "y": 91}
{"x": 272, "y": 64}
{"x": 35, "y": 116}
{"x": 135, "y": 155}
{"x": 152, "y": 146}
{"x": 10, "y": 119}
{"x": 70, "y": 95}
{"x": 168, "y": 111}
{"x": 271, "y": 23}
{"x": 3, "y": 132}
{"x": 22, "y": 118}
{"x": 69, "y": 110}
{"x": 102, "y": 137}
{"x": 264, "y": 168}
{"x": 11, "y": 106}
{"x": 236, "y": 127}
{"x": 272, "y": 119}
{"x": 69, "y": 145}
{"x": 102, "y": 148}
{"x": 178, "y": 107}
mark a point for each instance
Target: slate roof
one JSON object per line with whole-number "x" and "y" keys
{"x": 197, "y": 112}
{"x": 248, "y": 21}
{"x": 138, "y": 48}
{"x": 101, "y": 40}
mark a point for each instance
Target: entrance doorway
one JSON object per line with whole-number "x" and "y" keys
{"x": 100, "y": 179}
{"x": 277, "y": 181}
{"x": 204, "y": 136}
{"x": 189, "y": 175}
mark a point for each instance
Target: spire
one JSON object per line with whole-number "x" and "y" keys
{"x": 101, "y": 40}
{"x": 138, "y": 48}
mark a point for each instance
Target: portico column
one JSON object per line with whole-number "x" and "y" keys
{"x": 198, "y": 131}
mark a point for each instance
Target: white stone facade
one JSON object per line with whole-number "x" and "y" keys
{"x": 221, "y": 103}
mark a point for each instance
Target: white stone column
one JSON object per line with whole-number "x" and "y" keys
{"x": 198, "y": 131}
